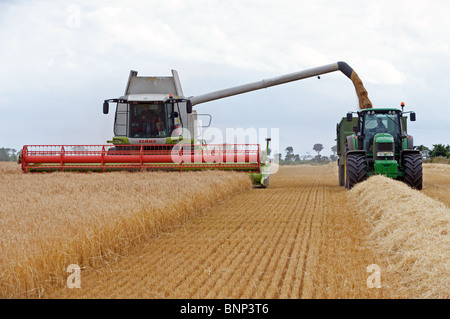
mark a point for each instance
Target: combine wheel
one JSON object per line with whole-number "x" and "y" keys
{"x": 266, "y": 182}
{"x": 413, "y": 170}
{"x": 356, "y": 169}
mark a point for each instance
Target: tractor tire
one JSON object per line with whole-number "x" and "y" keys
{"x": 413, "y": 170}
{"x": 341, "y": 175}
{"x": 356, "y": 169}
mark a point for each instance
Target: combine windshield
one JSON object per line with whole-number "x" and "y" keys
{"x": 374, "y": 123}
{"x": 148, "y": 120}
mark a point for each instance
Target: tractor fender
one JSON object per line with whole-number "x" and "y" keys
{"x": 351, "y": 143}
{"x": 357, "y": 152}
{"x": 410, "y": 142}
{"x": 344, "y": 159}
{"x": 350, "y": 149}
{"x": 409, "y": 151}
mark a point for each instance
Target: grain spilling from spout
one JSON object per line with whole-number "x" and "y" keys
{"x": 364, "y": 101}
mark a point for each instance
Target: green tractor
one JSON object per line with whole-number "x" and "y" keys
{"x": 376, "y": 142}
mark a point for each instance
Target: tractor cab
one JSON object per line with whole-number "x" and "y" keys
{"x": 381, "y": 128}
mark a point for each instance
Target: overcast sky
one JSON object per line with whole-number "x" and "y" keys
{"x": 60, "y": 59}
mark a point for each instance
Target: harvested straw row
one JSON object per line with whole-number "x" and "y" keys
{"x": 50, "y": 221}
{"x": 410, "y": 232}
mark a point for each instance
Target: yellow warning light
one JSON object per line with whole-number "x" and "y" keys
{"x": 402, "y": 104}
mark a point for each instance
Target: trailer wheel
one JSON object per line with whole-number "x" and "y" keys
{"x": 413, "y": 170}
{"x": 356, "y": 169}
{"x": 341, "y": 175}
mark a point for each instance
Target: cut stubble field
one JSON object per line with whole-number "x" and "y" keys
{"x": 303, "y": 237}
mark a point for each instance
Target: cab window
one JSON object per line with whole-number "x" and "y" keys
{"x": 147, "y": 120}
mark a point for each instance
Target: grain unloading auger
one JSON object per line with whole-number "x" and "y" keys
{"x": 155, "y": 128}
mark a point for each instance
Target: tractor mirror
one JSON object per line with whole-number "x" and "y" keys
{"x": 412, "y": 116}
{"x": 188, "y": 107}
{"x": 349, "y": 117}
{"x": 105, "y": 107}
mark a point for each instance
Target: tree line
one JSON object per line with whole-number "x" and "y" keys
{"x": 8, "y": 155}
{"x": 290, "y": 158}
{"x": 438, "y": 150}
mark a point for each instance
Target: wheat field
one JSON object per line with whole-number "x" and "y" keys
{"x": 49, "y": 221}
{"x": 303, "y": 237}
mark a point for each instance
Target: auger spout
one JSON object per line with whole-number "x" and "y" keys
{"x": 364, "y": 101}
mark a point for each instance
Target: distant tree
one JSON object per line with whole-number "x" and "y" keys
{"x": 8, "y": 154}
{"x": 297, "y": 158}
{"x": 278, "y": 157}
{"x": 334, "y": 149}
{"x": 440, "y": 150}
{"x": 318, "y": 148}
{"x": 334, "y": 157}
{"x": 317, "y": 159}
{"x": 422, "y": 148}
{"x": 289, "y": 150}
{"x": 4, "y": 156}
{"x": 307, "y": 157}
{"x": 289, "y": 154}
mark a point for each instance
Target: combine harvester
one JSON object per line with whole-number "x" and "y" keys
{"x": 155, "y": 128}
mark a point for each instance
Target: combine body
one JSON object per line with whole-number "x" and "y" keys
{"x": 377, "y": 142}
{"x": 155, "y": 128}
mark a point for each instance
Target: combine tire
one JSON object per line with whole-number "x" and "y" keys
{"x": 413, "y": 170}
{"x": 266, "y": 182}
{"x": 356, "y": 169}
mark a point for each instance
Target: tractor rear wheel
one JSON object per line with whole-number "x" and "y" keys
{"x": 413, "y": 170}
{"x": 356, "y": 169}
